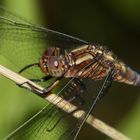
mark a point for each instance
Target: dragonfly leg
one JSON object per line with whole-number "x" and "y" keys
{"x": 39, "y": 92}
{"x": 32, "y": 88}
{"x": 107, "y": 83}
{"x": 28, "y": 66}
{"x": 43, "y": 79}
{"x": 51, "y": 86}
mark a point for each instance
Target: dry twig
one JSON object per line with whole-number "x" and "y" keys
{"x": 94, "y": 122}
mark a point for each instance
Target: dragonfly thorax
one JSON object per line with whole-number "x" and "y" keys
{"x": 52, "y": 63}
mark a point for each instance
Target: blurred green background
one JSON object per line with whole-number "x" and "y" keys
{"x": 115, "y": 24}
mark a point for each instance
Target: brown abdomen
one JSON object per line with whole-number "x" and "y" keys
{"x": 127, "y": 75}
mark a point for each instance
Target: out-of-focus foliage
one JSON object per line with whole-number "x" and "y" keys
{"x": 17, "y": 105}
{"x": 112, "y": 23}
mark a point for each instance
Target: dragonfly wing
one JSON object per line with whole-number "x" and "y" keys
{"x": 10, "y": 15}
{"x": 24, "y": 43}
{"x": 54, "y": 123}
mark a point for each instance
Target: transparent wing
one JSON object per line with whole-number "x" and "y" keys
{"x": 55, "y": 124}
{"x": 11, "y": 15}
{"x": 24, "y": 43}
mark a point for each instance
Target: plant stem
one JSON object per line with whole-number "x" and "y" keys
{"x": 64, "y": 105}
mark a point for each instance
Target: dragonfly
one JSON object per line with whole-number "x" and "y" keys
{"x": 76, "y": 70}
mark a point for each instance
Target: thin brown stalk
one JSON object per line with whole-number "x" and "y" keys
{"x": 65, "y": 105}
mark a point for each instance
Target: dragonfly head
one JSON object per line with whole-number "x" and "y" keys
{"x": 52, "y": 62}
